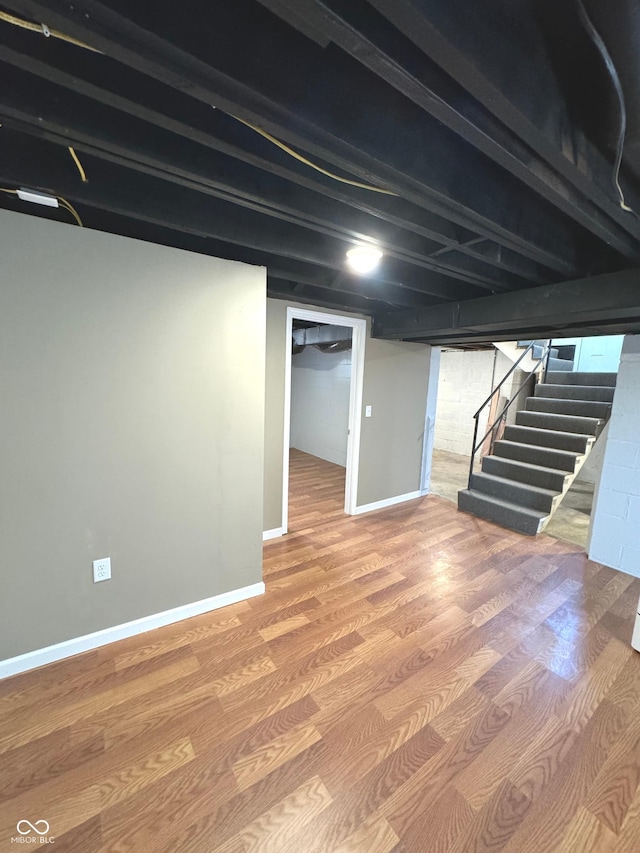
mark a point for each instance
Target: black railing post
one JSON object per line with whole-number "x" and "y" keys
{"x": 473, "y": 449}
{"x": 546, "y": 361}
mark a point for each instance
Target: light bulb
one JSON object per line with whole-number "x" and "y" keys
{"x": 363, "y": 259}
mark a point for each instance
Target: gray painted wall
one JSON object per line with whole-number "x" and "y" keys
{"x": 132, "y": 382}
{"x": 396, "y": 378}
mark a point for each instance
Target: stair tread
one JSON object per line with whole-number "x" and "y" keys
{"x": 582, "y": 377}
{"x": 539, "y": 448}
{"x": 599, "y": 392}
{"x": 500, "y": 502}
{"x": 573, "y": 387}
{"x": 560, "y": 433}
{"x": 496, "y": 479}
{"x": 559, "y": 417}
{"x": 530, "y": 465}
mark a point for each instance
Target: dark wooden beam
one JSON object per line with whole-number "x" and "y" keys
{"x": 368, "y": 38}
{"x": 65, "y": 115}
{"x": 501, "y": 55}
{"x": 389, "y": 214}
{"x": 146, "y": 194}
{"x": 388, "y": 153}
{"x": 609, "y": 301}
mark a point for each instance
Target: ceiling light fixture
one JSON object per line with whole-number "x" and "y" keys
{"x": 363, "y": 259}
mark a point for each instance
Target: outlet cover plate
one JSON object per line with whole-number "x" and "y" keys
{"x": 102, "y": 569}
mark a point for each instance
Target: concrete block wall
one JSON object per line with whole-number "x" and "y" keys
{"x": 465, "y": 382}
{"x": 615, "y": 524}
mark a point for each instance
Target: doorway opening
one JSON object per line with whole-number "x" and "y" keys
{"x": 324, "y": 371}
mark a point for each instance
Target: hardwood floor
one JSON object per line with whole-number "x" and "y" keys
{"x": 415, "y": 680}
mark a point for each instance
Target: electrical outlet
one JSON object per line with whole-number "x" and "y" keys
{"x": 102, "y": 569}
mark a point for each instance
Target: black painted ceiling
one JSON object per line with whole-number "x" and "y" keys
{"x": 475, "y": 142}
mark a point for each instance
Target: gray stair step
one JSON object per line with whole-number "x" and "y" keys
{"x": 580, "y": 408}
{"x": 524, "y": 472}
{"x": 522, "y": 494}
{"x": 562, "y": 377}
{"x": 505, "y": 513}
{"x": 538, "y": 350}
{"x": 547, "y": 457}
{"x": 559, "y": 364}
{"x": 560, "y": 423}
{"x": 549, "y": 438}
{"x": 598, "y": 393}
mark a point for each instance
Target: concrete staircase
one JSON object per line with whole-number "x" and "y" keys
{"x": 533, "y": 466}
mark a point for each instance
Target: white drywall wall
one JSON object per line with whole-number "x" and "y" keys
{"x": 320, "y": 384}
{"x": 600, "y": 354}
{"x": 615, "y": 525}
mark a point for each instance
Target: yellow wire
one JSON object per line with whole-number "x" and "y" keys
{"x": 38, "y": 28}
{"x": 306, "y": 162}
{"x": 76, "y": 160}
{"x": 67, "y": 205}
{"x": 71, "y": 210}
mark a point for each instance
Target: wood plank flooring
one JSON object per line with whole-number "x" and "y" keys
{"x": 414, "y": 680}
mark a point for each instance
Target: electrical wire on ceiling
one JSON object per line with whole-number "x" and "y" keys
{"x": 51, "y": 33}
{"x": 71, "y": 209}
{"x": 62, "y": 201}
{"x": 611, "y": 69}
{"x": 44, "y": 30}
{"x": 306, "y": 162}
{"x": 76, "y": 160}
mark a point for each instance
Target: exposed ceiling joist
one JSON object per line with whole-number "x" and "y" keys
{"x": 491, "y": 182}
{"x": 551, "y": 311}
{"x": 516, "y": 83}
{"x": 363, "y": 35}
{"x": 197, "y": 168}
{"x": 392, "y": 158}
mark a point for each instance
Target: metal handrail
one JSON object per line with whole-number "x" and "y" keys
{"x": 477, "y": 444}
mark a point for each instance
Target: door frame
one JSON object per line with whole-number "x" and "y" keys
{"x": 359, "y": 333}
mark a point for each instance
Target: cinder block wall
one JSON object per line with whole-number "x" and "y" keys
{"x": 464, "y": 384}
{"x": 615, "y": 524}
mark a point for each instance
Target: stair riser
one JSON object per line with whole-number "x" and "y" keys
{"x": 562, "y": 377}
{"x": 596, "y": 393}
{"x": 473, "y": 502}
{"x": 544, "y": 456}
{"x": 548, "y": 438}
{"x": 503, "y": 467}
{"x": 568, "y": 407}
{"x": 517, "y": 493}
{"x": 564, "y": 423}
{"x": 559, "y": 364}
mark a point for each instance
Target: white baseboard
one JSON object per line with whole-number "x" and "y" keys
{"x": 273, "y": 533}
{"x": 40, "y": 657}
{"x": 410, "y": 496}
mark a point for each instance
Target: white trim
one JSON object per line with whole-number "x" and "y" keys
{"x": 410, "y": 496}
{"x": 40, "y": 657}
{"x": 272, "y": 534}
{"x": 359, "y": 334}
{"x": 430, "y": 420}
